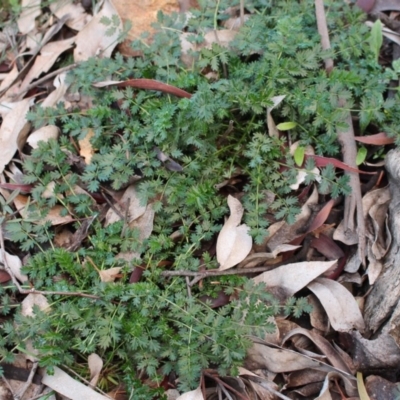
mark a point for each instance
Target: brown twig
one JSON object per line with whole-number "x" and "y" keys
{"x": 353, "y": 202}
{"x": 48, "y": 76}
{"x": 28, "y": 382}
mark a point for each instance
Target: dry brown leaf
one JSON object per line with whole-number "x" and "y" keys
{"x": 192, "y": 395}
{"x": 340, "y": 305}
{"x": 349, "y": 385}
{"x": 323, "y": 345}
{"x": 109, "y": 275}
{"x": 30, "y": 10}
{"x": 277, "y": 360}
{"x": 86, "y": 148}
{"x": 95, "y": 364}
{"x": 45, "y": 60}
{"x": 129, "y": 206}
{"x": 256, "y": 258}
{"x": 294, "y": 277}
{"x": 43, "y": 134}
{"x": 92, "y": 40}
{"x": 13, "y": 131}
{"x": 78, "y": 17}
{"x": 15, "y": 264}
{"x": 234, "y": 241}
{"x": 53, "y": 215}
{"x": 286, "y": 232}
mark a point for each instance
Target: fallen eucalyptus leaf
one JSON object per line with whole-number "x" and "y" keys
{"x": 340, "y": 305}
{"x": 234, "y": 242}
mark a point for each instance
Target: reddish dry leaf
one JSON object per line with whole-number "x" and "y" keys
{"x": 366, "y": 5}
{"x": 327, "y": 247}
{"x": 322, "y": 216}
{"x": 17, "y": 186}
{"x": 380, "y": 139}
{"x": 147, "y": 84}
{"x": 321, "y": 161}
{"x": 4, "y": 276}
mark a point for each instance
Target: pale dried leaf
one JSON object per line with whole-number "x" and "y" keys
{"x": 272, "y": 129}
{"x": 58, "y": 94}
{"x": 92, "y": 40}
{"x": 43, "y": 62}
{"x": 277, "y": 360}
{"x": 340, "y": 305}
{"x": 30, "y": 10}
{"x": 129, "y": 205}
{"x": 53, "y": 215}
{"x": 222, "y": 37}
{"x": 86, "y": 148}
{"x": 15, "y": 264}
{"x": 67, "y": 386}
{"x": 95, "y": 364}
{"x": 12, "y": 131}
{"x": 294, "y": 277}
{"x": 192, "y": 395}
{"x": 78, "y": 17}
{"x": 234, "y": 242}
{"x": 109, "y": 275}
{"x": 144, "y": 223}
{"x": 43, "y": 134}
{"x": 31, "y": 300}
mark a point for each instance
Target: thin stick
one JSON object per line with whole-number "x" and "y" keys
{"x": 28, "y": 382}
{"x": 48, "y": 76}
{"x": 323, "y": 31}
{"x": 353, "y": 202}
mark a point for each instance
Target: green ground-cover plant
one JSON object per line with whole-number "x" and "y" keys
{"x": 153, "y": 325}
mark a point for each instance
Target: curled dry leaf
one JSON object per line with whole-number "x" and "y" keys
{"x": 192, "y": 395}
{"x": 294, "y": 277}
{"x": 340, "y": 305}
{"x": 43, "y": 135}
{"x": 58, "y": 94}
{"x": 324, "y": 346}
{"x": 234, "y": 241}
{"x": 325, "y": 393}
{"x": 93, "y": 40}
{"x": 13, "y": 131}
{"x": 95, "y": 364}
